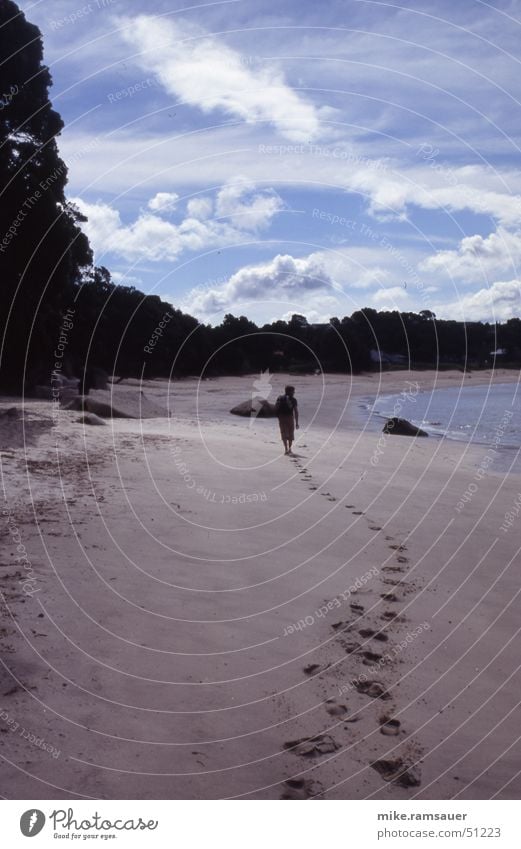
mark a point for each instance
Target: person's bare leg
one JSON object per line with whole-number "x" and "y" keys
{"x": 290, "y": 443}
{"x": 286, "y": 449}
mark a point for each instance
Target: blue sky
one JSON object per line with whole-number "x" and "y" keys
{"x": 267, "y": 158}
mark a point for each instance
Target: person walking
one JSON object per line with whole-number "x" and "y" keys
{"x": 286, "y": 408}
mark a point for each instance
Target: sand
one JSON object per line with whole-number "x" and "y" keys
{"x": 193, "y": 615}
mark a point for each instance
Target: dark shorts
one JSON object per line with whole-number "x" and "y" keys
{"x": 287, "y": 426}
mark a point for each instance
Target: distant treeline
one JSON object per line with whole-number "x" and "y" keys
{"x": 61, "y": 312}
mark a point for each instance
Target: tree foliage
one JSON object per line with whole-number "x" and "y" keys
{"x": 42, "y": 249}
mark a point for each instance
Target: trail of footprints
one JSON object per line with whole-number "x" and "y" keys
{"x": 396, "y": 768}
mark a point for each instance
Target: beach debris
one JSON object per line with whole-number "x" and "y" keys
{"x": 397, "y": 771}
{"x": 310, "y": 747}
{"x": 401, "y": 427}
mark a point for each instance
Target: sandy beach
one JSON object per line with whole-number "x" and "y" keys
{"x": 188, "y": 614}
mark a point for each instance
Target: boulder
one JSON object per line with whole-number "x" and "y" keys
{"x": 257, "y": 407}
{"x": 10, "y": 413}
{"x": 91, "y": 419}
{"x": 84, "y": 404}
{"x": 401, "y": 427}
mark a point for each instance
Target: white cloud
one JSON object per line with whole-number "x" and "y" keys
{"x": 479, "y": 258}
{"x": 393, "y": 298}
{"x": 205, "y": 73}
{"x": 124, "y": 279}
{"x": 498, "y": 302}
{"x": 200, "y": 208}
{"x": 248, "y": 209}
{"x": 391, "y": 188}
{"x": 284, "y": 278}
{"x": 242, "y": 210}
{"x": 163, "y": 202}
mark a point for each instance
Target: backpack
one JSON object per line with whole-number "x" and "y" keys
{"x": 283, "y": 406}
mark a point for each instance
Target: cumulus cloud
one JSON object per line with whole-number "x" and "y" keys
{"x": 477, "y": 257}
{"x": 204, "y": 72}
{"x": 201, "y": 208}
{"x": 392, "y": 298}
{"x": 498, "y": 302}
{"x": 241, "y": 209}
{"x": 248, "y": 209}
{"x": 163, "y": 202}
{"x": 284, "y": 278}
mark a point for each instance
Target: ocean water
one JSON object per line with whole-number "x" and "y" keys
{"x": 488, "y": 415}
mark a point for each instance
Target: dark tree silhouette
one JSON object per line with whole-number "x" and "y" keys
{"x": 42, "y": 250}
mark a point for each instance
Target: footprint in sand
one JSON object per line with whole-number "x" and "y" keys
{"x": 388, "y": 726}
{"x": 401, "y": 559}
{"x": 391, "y": 569}
{"x": 397, "y": 547}
{"x": 390, "y": 616}
{"x": 375, "y": 528}
{"x": 358, "y": 513}
{"x": 345, "y": 626}
{"x": 297, "y": 788}
{"x": 397, "y": 771}
{"x": 370, "y": 657}
{"x": 334, "y": 708}
{"x": 315, "y": 668}
{"x": 367, "y": 633}
{"x": 373, "y": 689}
{"x": 358, "y": 608}
{"x": 389, "y": 597}
{"x": 313, "y": 487}
{"x": 349, "y": 506}
{"x": 350, "y": 648}
{"x": 310, "y": 747}
{"x": 332, "y": 498}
